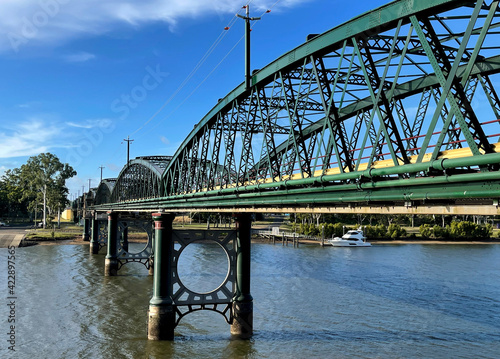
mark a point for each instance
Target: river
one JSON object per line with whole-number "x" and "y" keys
{"x": 387, "y": 301}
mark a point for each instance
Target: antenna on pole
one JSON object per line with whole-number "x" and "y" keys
{"x": 128, "y": 140}
{"x": 101, "y": 167}
{"x": 247, "y": 19}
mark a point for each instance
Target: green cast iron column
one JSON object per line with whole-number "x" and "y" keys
{"x": 86, "y": 229}
{"x": 242, "y": 326}
{"x": 94, "y": 238}
{"x": 111, "y": 262}
{"x": 125, "y": 239}
{"x": 161, "y": 314}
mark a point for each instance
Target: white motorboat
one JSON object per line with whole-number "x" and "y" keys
{"x": 353, "y": 238}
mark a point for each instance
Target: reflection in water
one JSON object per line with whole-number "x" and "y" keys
{"x": 385, "y": 301}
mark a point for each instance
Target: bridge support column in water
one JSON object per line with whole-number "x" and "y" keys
{"x": 111, "y": 261}
{"x": 161, "y": 314}
{"x": 94, "y": 238}
{"x": 242, "y": 326}
{"x": 86, "y": 228}
{"x": 125, "y": 239}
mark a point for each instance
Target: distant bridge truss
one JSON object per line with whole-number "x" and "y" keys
{"x": 395, "y": 108}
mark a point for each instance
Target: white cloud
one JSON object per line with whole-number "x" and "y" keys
{"x": 30, "y": 104}
{"x": 42, "y": 22}
{"x": 165, "y": 140}
{"x": 28, "y": 139}
{"x": 91, "y": 123}
{"x": 79, "y": 57}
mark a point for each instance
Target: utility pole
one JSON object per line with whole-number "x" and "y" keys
{"x": 128, "y": 140}
{"x": 247, "y": 18}
{"x": 101, "y": 167}
{"x": 89, "y": 183}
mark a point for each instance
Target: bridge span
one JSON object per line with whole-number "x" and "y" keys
{"x": 394, "y": 111}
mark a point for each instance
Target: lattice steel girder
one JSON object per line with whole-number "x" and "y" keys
{"x": 423, "y": 105}
{"x": 403, "y": 90}
{"x": 296, "y": 139}
{"x": 269, "y": 146}
{"x": 337, "y": 140}
{"x": 435, "y": 188}
{"x": 246, "y": 157}
{"x": 294, "y": 67}
{"x": 229, "y": 139}
{"x": 452, "y": 87}
{"x": 139, "y": 179}
{"x": 491, "y": 94}
{"x": 387, "y": 123}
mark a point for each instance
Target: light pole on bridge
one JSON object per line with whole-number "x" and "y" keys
{"x": 128, "y": 140}
{"x": 247, "y": 18}
{"x": 101, "y": 167}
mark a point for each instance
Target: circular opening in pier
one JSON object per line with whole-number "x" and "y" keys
{"x": 203, "y": 266}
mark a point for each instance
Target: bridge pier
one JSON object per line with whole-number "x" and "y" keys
{"x": 161, "y": 314}
{"x": 242, "y": 326}
{"x": 86, "y": 229}
{"x": 125, "y": 239}
{"x": 94, "y": 238}
{"x": 111, "y": 261}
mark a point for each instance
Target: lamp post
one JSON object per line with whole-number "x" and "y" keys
{"x": 247, "y": 19}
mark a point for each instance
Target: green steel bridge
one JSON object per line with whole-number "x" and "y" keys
{"x": 395, "y": 111}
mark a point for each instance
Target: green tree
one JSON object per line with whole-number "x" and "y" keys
{"x": 46, "y": 175}
{"x": 15, "y": 195}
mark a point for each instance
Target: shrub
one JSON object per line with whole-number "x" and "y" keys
{"x": 378, "y": 231}
{"x": 440, "y": 232}
{"x": 425, "y": 230}
{"x": 395, "y": 231}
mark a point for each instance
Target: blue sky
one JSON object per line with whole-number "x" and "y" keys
{"x": 78, "y": 77}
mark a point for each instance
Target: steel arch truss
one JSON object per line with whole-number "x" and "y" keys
{"x": 140, "y": 179}
{"x": 380, "y": 109}
{"x": 103, "y": 194}
{"x": 399, "y": 91}
{"x": 220, "y": 299}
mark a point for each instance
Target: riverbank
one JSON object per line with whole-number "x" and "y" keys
{"x": 139, "y": 238}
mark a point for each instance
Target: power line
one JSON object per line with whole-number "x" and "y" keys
{"x": 192, "y": 73}
{"x": 210, "y": 73}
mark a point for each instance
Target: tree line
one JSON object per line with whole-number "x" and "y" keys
{"x": 38, "y": 185}
{"x": 391, "y": 227}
